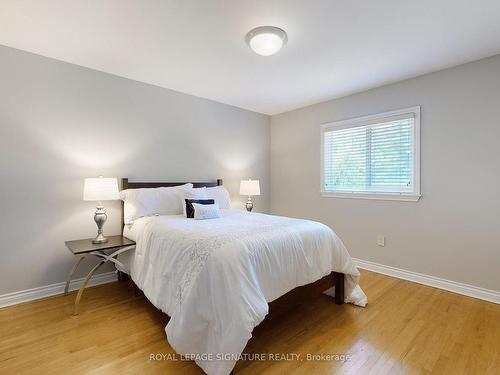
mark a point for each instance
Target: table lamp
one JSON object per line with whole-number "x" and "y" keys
{"x": 100, "y": 189}
{"x": 249, "y": 188}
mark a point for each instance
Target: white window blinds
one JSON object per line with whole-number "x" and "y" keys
{"x": 376, "y": 154}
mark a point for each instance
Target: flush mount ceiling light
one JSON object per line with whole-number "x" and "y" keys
{"x": 266, "y": 40}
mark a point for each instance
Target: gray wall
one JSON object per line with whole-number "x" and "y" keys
{"x": 60, "y": 123}
{"x": 453, "y": 232}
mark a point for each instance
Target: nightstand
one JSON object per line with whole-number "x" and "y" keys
{"x": 108, "y": 252}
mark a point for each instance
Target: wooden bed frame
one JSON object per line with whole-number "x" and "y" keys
{"x": 338, "y": 278}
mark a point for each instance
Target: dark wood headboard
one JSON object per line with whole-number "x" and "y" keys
{"x": 126, "y": 184}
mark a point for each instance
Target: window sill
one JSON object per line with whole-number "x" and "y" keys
{"x": 377, "y": 196}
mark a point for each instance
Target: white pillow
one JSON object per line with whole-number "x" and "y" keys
{"x": 152, "y": 201}
{"x": 220, "y": 195}
{"x": 198, "y": 193}
{"x": 206, "y": 211}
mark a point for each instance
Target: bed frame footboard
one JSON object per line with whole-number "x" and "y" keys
{"x": 338, "y": 282}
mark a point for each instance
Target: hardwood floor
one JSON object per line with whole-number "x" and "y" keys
{"x": 406, "y": 329}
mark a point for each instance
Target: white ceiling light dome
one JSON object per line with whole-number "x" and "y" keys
{"x": 266, "y": 40}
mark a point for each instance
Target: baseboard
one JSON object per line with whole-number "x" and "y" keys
{"x": 489, "y": 295}
{"x": 14, "y": 298}
{"x": 436, "y": 282}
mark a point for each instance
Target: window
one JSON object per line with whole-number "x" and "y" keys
{"x": 375, "y": 157}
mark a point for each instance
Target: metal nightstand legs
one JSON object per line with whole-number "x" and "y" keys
{"x": 78, "y": 260}
{"x": 84, "y": 284}
{"x": 105, "y": 258}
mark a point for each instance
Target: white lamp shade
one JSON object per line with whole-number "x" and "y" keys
{"x": 249, "y": 187}
{"x": 100, "y": 189}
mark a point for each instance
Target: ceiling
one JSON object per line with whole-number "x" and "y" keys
{"x": 335, "y": 47}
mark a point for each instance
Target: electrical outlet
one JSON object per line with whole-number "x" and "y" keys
{"x": 380, "y": 240}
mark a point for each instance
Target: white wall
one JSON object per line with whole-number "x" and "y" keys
{"x": 60, "y": 123}
{"x": 453, "y": 232}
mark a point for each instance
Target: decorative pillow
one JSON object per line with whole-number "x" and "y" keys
{"x": 190, "y": 205}
{"x": 206, "y": 211}
{"x": 152, "y": 201}
{"x": 199, "y": 193}
{"x": 220, "y": 194}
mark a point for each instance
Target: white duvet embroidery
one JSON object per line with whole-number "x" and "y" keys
{"x": 215, "y": 277}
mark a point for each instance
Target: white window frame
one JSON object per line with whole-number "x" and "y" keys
{"x": 363, "y": 121}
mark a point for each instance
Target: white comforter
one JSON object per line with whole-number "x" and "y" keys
{"x": 215, "y": 277}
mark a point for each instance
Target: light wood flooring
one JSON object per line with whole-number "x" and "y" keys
{"x": 406, "y": 329}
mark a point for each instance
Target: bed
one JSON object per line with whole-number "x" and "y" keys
{"x": 215, "y": 278}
